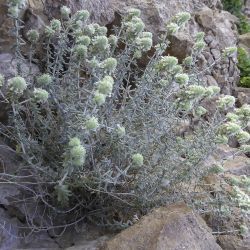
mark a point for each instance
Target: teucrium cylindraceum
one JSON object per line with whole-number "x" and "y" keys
{"x": 101, "y": 129}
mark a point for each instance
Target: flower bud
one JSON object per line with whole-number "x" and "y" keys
{"x": 65, "y": 12}
{"x": 244, "y": 230}
{"x": 40, "y": 95}
{"x": 78, "y": 155}
{"x": 232, "y": 117}
{"x": 17, "y": 85}
{"x": 101, "y": 31}
{"x": 99, "y": 98}
{"x": 144, "y": 43}
{"x": 80, "y": 51}
{"x": 188, "y": 61}
{"x": 243, "y": 136}
{"x": 133, "y": 13}
{"x": 109, "y": 64}
{"x": 212, "y": 91}
{"x": 166, "y": 63}
{"x": 33, "y": 36}
{"x": 135, "y": 26}
{"x": 105, "y": 86}
{"x": 101, "y": 43}
{"x": 226, "y": 102}
{"x": 120, "y": 131}
{"x": 13, "y": 11}
{"x": 55, "y": 25}
{"x": 244, "y": 111}
{"x": 137, "y": 159}
{"x": 231, "y": 128}
{"x": 89, "y": 30}
{"x": 74, "y": 142}
{"x": 181, "y": 18}
{"x": 112, "y": 40}
{"x": 200, "y": 111}
{"x": 83, "y": 40}
{"x": 172, "y": 28}
{"x": 49, "y": 32}
{"x": 194, "y": 91}
{"x": 92, "y": 123}
{"x": 44, "y": 79}
{"x": 199, "y": 46}
{"x": 93, "y": 63}
{"x": 182, "y": 79}
{"x": 81, "y": 15}
{"x": 137, "y": 54}
{"x": 177, "y": 69}
{"x": 245, "y": 148}
{"x": 199, "y": 37}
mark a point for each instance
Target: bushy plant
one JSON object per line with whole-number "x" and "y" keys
{"x": 244, "y": 66}
{"x": 235, "y": 7}
{"x": 100, "y": 135}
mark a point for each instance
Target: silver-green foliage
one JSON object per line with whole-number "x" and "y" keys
{"x": 100, "y": 132}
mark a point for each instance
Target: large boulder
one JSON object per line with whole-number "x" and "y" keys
{"x": 174, "y": 227}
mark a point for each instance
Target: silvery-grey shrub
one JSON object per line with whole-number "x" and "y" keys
{"x": 104, "y": 137}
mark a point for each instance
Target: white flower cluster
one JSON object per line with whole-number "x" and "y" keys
{"x": 137, "y": 159}
{"x": 226, "y": 102}
{"x": 92, "y": 123}
{"x": 40, "y": 95}
{"x": 77, "y": 153}
{"x": 104, "y": 89}
{"x": 33, "y": 36}
{"x": 177, "y": 22}
{"x": 44, "y": 80}
{"x": 17, "y": 85}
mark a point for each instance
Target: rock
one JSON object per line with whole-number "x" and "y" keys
{"x": 221, "y": 32}
{"x": 8, "y": 66}
{"x": 211, "y": 81}
{"x": 222, "y": 23}
{"x": 243, "y": 95}
{"x": 181, "y": 46}
{"x": 231, "y": 242}
{"x": 239, "y": 165}
{"x": 173, "y": 227}
{"x": 216, "y": 54}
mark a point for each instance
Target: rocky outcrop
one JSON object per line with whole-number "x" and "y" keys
{"x": 174, "y": 227}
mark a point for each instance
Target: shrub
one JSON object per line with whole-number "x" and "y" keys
{"x": 99, "y": 134}
{"x": 235, "y": 7}
{"x": 244, "y": 66}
